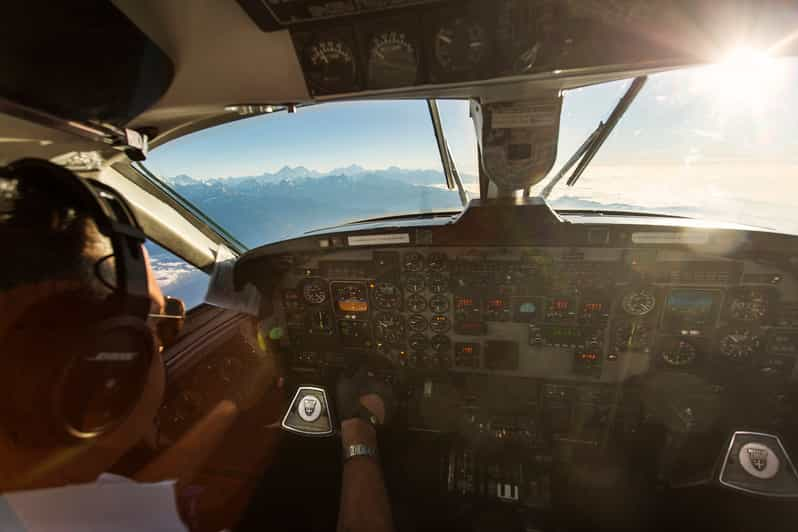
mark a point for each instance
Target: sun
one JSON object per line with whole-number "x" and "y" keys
{"x": 742, "y": 81}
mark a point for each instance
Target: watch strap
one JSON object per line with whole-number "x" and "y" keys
{"x": 359, "y": 449}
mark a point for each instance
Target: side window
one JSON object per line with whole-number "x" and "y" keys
{"x": 176, "y": 277}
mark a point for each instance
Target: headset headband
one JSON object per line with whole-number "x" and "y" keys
{"x": 114, "y": 219}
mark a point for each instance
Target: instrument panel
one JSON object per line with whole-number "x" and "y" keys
{"x": 593, "y": 314}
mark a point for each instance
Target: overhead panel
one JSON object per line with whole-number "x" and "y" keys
{"x": 353, "y": 46}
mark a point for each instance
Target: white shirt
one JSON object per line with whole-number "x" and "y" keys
{"x": 112, "y": 503}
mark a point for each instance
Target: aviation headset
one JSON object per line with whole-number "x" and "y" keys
{"x": 97, "y": 384}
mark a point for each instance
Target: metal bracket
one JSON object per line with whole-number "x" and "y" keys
{"x": 133, "y": 143}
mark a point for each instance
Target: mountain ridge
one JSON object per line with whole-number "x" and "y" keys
{"x": 427, "y": 177}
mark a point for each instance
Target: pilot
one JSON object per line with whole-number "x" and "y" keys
{"x": 82, "y": 378}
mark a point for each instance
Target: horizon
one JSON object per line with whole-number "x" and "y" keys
{"x": 321, "y": 172}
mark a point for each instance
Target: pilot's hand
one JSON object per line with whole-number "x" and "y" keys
{"x": 363, "y": 396}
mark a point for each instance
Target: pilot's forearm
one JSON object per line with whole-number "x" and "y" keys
{"x": 364, "y": 500}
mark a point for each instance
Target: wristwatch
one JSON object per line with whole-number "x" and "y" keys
{"x": 358, "y": 449}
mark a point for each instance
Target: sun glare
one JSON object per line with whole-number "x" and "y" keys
{"x": 743, "y": 80}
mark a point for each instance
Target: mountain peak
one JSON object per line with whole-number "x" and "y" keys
{"x": 352, "y": 169}
{"x": 181, "y": 180}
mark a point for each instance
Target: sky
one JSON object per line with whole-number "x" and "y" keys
{"x": 374, "y": 135}
{"x": 721, "y": 138}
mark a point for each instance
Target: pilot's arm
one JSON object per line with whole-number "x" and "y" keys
{"x": 364, "y": 499}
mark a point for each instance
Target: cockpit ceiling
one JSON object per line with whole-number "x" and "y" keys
{"x": 298, "y": 51}
{"x": 228, "y": 53}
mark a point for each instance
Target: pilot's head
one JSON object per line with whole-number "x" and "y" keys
{"x": 81, "y": 378}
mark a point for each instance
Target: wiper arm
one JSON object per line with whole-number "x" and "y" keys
{"x": 593, "y": 143}
{"x": 450, "y": 170}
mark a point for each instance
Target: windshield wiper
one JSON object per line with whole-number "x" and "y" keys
{"x": 593, "y": 143}
{"x": 449, "y": 169}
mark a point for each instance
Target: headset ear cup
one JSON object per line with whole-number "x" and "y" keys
{"x": 100, "y": 387}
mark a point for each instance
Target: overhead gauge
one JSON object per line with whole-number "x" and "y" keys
{"x": 388, "y": 327}
{"x": 314, "y": 291}
{"x": 639, "y": 302}
{"x": 460, "y": 45}
{"x": 393, "y": 60}
{"x": 414, "y": 262}
{"x": 387, "y": 296}
{"x": 750, "y": 305}
{"x": 416, "y": 303}
{"x": 331, "y": 65}
{"x": 632, "y": 336}
{"x": 739, "y": 345}
{"x": 414, "y": 283}
{"x": 679, "y": 354}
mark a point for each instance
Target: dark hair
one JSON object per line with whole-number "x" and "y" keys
{"x": 44, "y": 232}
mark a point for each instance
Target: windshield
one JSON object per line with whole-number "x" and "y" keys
{"x": 711, "y": 142}
{"x": 715, "y": 142}
{"x": 277, "y": 176}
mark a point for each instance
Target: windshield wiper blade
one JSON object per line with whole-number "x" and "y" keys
{"x": 449, "y": 168}
{"x": 584, "y": 155}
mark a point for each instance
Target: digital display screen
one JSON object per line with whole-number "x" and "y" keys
{"x": 560, "y": 308}
{"x": 527, "y": 310}
{"x": 560, "y": 304}
{"x": 350, "y": 297}
{"x": 564, "y": 335}
{"x": 501, "y": 355}
{"x": 494, "y": 305}
{"x": 687, "y": 310}
{"x": 465, "y": 303}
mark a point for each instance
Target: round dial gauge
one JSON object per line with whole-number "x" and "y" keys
{"x": 438, "y": 284}
{"x": 393, "y": 60}
{"x": 416, "y": 303}
{"x": 638, "y": 303}
{"x": 680, "y": 354}
{"x": 439, "y": 324}
{"x": 314, "y": 291}
{"x": 417, "y": 322}
{"x": 387, "y": 296}
{"x": 414, "y": 283}
{"x": 439, "y": 304}
{"x": 436, "y": 262}
{"x": 418, "y": 342}
{"x": 388, "y": 327}
{"x": 414, "y": 262}
{"x": 460, "y": 45}
{"x": 632, "y": 336}
{"x": 331, "y": 65}
{"x": 440, "y": 343}
{"x": 750, "y": 306}
{"x": 739, "y": 345}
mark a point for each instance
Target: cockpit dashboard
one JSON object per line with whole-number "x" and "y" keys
{"x": 567, "y": 335}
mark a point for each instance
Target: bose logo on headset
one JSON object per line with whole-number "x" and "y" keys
{"x": 124, "y": 356}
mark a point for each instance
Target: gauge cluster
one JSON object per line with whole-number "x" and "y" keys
{"x": 566, "y": 313}
{"x": 430, "y": 42}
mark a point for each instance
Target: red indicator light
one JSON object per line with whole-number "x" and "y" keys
{"x": 560, "y": 304}
{"x": 468, "y": 349}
